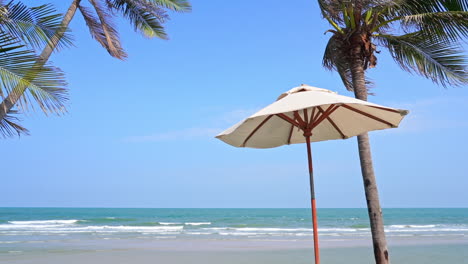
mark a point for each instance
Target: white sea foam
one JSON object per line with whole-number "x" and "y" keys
{"x": 426, "y": 228}
{"x": 282, "y": 230}
{"x": 216, "y": 228}
{"x": 345, "y": 230}
{"x": 198, "y": 233}
{"x": 198, "y": 223}
{"x": 268, "y": 229}
{"x": 161, "y": 228}
{"x": 72, "y": 226}
{"x": 60, "y": 229}
{"x": 111, "y": 229}
{"x": 395, "y": 230}
{"x": 258, "y": 229}
{"x": 168, "y": 223}
{"x": 412, "y": 226}
{"x": 37, "y": 225}
{"x": 44, "y": 222}
{"x": 237, "y": 234}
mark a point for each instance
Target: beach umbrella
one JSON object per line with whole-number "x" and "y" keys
{"x": 308, "y": 114}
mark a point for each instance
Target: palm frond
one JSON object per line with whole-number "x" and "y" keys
{"x": 47, "y": 91}
{"x": 445, "y": 19}
{"x": 336, "y": 9}
{"x": 386, "y": 15}
{"x": 102, "y": 29}
{"x": 174, "y": 5}
{"x": 105, "y": 16}
{"x": 36, "y": 26}
{"x": 145, "y": 16}
{"x": 19, "y": 72}
{"x": 449, "y": 25}
{"x": 335, "y": 60}
{"x": 332, "y": 10}
{"x": 414, "y": 7}
{"x": 9, "y": 126}
{"x": 430, "y": 57}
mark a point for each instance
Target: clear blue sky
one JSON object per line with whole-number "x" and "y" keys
{"x": 140, "y": 133}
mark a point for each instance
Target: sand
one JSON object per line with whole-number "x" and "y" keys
{"x": 230, "y": 252}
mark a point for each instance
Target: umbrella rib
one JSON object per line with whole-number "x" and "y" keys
{"x": 306, "y": 117}
{"x": 326, "y": 114}
{"x": 333, "y": 124}
{"x": 316, "y": 116}
{"x": 290, "y": 134}
{"x": 368, "y": 115}
{"x": 298, "y": 117}
{"x": 288, "y": 119}
{"x": 312, "y": 115}
{"x": 255, "y": 130}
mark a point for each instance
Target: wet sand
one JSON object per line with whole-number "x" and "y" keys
{"x": 247, "y": 252}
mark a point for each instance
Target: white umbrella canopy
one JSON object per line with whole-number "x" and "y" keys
{"x": 333, "y": 117}
{"x": 305, "y": 114}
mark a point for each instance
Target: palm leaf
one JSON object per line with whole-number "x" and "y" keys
{"x": 9, "y": 126}
{"x": 332, "y": 10}
{"x": 145, "y": 16}
{"x": 36, "y": 26}
{"x": 19, "y": 71}
{"x": 48, "y": 91}
{"x": 444, "y": 19}
{"x": 449, "y": 25}
{"x": 334, "y": 60}
{"x": 414, "y": 7}
{"x": 103, "y": 30}
{"x": 336, "y": 9}
{"x": 175, "y": 5}
{"x": 430, "y": 57}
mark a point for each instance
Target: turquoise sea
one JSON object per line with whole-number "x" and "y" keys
{"x": 26, "y": 224}
{"x": 31, "y": 232}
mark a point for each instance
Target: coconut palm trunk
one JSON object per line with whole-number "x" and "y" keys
{"x": 428, "y": 42}
{"x": 15, "y": 95}
{"x": 370, "y": 185}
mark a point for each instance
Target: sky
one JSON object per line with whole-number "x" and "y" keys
{"x": 140, "y": 132}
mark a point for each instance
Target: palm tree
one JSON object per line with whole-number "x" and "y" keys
{"x": 23, "y": 29}
{"x": 146, "y": 17}
{"x": 423, "y": 37}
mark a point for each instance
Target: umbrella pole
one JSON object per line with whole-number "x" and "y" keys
{"x": 312, "y": 195}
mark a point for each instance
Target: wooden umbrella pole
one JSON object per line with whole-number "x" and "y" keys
{"x": 312, "y": 195}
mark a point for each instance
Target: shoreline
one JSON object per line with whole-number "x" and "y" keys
{"x": 212, "y": 245}
{"x": 143, "y": 236}
{"x": 414, "y": 254}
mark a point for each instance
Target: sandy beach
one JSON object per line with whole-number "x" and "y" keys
{"x": 199, "y": 251}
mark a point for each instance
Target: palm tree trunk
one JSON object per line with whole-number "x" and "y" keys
{"x": 368, "y": 176}
{"x": 19, "y": 90}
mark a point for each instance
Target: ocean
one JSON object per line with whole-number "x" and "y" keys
{"x": 28, "y": 232}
